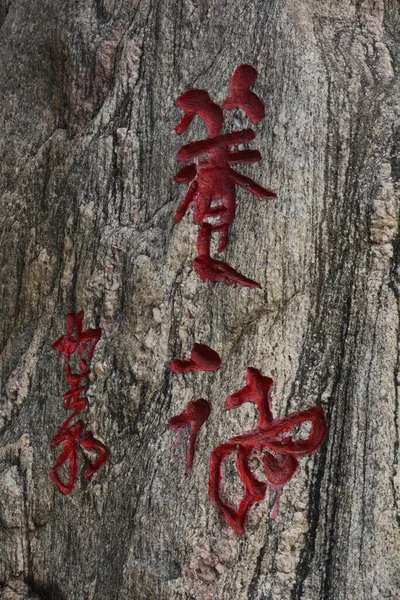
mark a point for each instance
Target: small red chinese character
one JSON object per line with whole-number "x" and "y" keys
{"x": 73, "y": 435}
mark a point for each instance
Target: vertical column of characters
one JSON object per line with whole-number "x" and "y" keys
{"x": 207, "y": 167}
{"x": 72, "y": 434}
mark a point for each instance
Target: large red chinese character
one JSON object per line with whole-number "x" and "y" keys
{"x": 212, "y": 179}
{"x": 73, "y": 435}
{"x": 194, "y": 417}
{"x": 273, "y": 438}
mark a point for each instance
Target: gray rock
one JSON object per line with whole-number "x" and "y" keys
{"x": 87, "y": 145}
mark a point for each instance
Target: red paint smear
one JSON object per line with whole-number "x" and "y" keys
{"x": 212, "y": 180}
{"x": 194, "y": 417}
{"x": 202, "y": 358}
{"x": 73, "y": 435}
{"x": 273, "y": 438}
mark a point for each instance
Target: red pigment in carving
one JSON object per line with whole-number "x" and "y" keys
{"x": 194, "y": 417}
{"x": 73, "y": 435}
{"x": 202, "y": 358}
{"x": 240, "y": 95}
{"x": 216, "y": 270}
{"x": 212, "y": 180}
{"x": 273, "y": 438}
{"x": 67, "y": 344}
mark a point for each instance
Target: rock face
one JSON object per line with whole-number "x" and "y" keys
{"x": 88, "y": 152}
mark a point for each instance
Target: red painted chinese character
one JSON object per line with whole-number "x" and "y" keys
{"x": 212, "y": 179}
{"x": 73, "y": 435}
{"x": 273, "y": 438}
{"x": 202, "y": 358}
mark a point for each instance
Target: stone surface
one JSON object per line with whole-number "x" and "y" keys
{"x": 88, "y": 150}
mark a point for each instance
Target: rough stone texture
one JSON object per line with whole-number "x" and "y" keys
{"x": 87, "y": 159}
